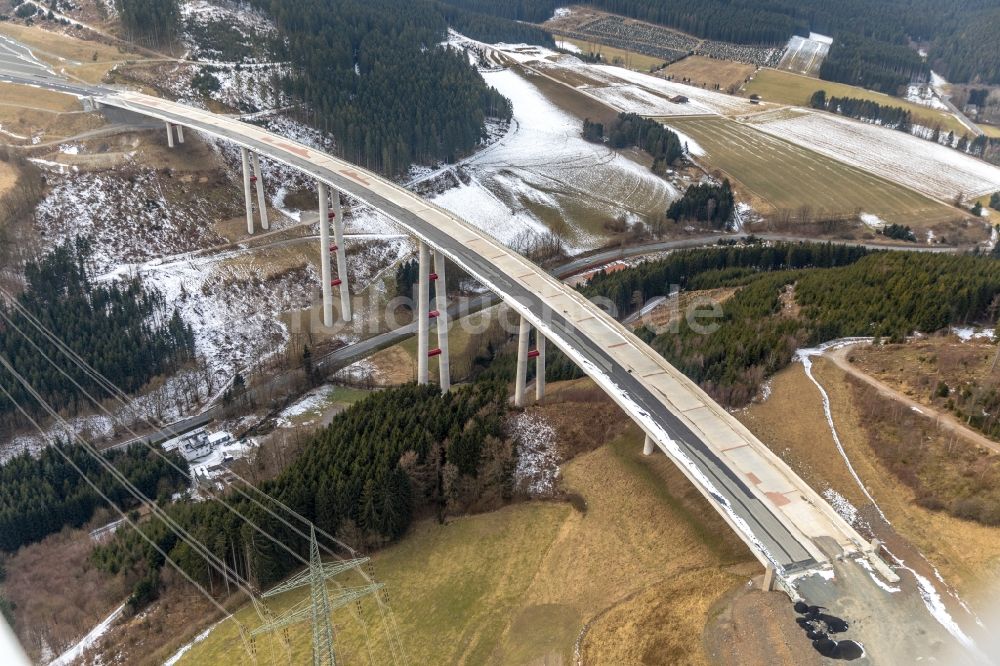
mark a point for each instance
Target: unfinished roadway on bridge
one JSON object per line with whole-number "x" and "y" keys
{"x": 793, "y": 531}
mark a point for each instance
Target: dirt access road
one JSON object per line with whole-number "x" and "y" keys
{"x": 943, "y": 419}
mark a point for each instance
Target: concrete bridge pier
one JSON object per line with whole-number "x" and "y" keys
{"x": 523, "y": 333}
{"x": 647, "y": 446}
{"x": 180, "y": 133}
{"x": 539, "y": 366}
{"x": 422, "y": 313}
{"x": 259, "y": 181}
{"x": 337, "y": 215}
{"x": 324, "y": 255}
{"x": 441, "y": 310}
{"x": 245, "y": 159}
{"x": 170, "y": 135}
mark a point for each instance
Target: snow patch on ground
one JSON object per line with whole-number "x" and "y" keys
{"x": 967, "y": 333}
{"x": 932, "y": 600}
{"x": 925, "y": 95}
{"x": 88, "y": 641}
{"x": 876, "y": 578}
{"x": 253, "y": 27}
{"x": 841, "y": 505}
{"x": 127, "y": 213}
{"x": 544, "y": 163}
{"x": 197, "y": 639}
{"x": 312, "y": 403}
{"x": 568, "y": 46}
{"x": 872, "y": 220}
{"x": 537, "y": 470}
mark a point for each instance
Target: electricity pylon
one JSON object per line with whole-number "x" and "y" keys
{"x": 320, "y": 603}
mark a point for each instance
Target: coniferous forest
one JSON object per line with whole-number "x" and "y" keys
{"x": 41, "y": 495}
{"x": 363, "y": 478}
{"x": 842, "y": 291}
{"x": 871, "y": 39}
{"x": 123, "y": 329}
{"x": 705, "y": 202}
{"x": 373, "y": 74}
{"x": 150, "y": 22}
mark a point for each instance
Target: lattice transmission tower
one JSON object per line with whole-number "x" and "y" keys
{"x": 318, "y": 606}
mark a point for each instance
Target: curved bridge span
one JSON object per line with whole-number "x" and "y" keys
{"x": 781, "y": 519}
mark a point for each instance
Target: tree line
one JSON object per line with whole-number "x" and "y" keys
{"x": 630, "y": 129}
{"x": 122, "y": 328}
{"x": 41, "y": 495}
{"x": 363, "y": 478}
{"x": 893, "y": 117}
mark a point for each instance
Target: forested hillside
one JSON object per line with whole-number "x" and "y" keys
{"x": 39, "y": 496}
{"x": 126, "y": 331}
{"x": 150, "y": 22}
{"x": 374, "y": 76}
{"x": 871, "y": 39}
{"x": 362, "y": 478}
{"x": 835, "y": 291}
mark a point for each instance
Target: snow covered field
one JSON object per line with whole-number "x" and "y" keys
{"x": 701, "y": 101}
{"x": 932, "y": 169}
{"x": 544, "y": 167}
{"x": 626, "y": 90}
{"x": 805, "y": 55}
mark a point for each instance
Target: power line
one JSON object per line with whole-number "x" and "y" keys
{"x": 55, "y": 445}
{"x": 385, "y": 611}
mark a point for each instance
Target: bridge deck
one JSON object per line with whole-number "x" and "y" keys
{"x": 774, "y": 511}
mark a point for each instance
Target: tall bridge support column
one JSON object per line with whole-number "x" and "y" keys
{"x": 647, "y": 446}
{"x": 441, "y": 305}
{"x": 338, "y": 234}
{"x": 170, "y": 135}
{"x": 261, "y": 201}
{"x": 423, "y": 298}
{"x": 245, "y": 159}
{"x": 324, "y": 254}
{"x": 539, "y": 366}
{"x": 180, "y": 133}
{"x": 523, "y": 333}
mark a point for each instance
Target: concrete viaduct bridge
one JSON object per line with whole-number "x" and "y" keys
{"x": 805, "y": 547}
{"x": 782, "y": 520}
